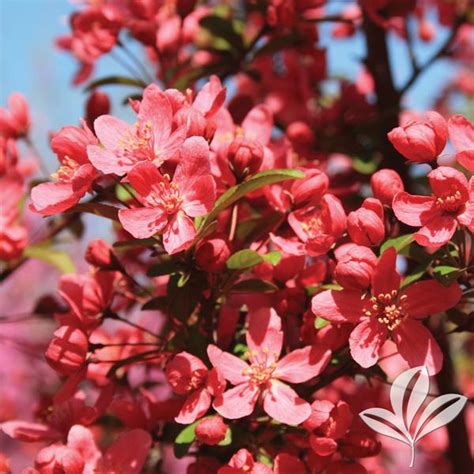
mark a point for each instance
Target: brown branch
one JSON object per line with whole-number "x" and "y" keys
{"x": 458, "y": 452}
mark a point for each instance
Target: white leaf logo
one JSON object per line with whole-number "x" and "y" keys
{"x": 407, "y": 403}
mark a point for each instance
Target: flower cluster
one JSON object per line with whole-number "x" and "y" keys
{"x": 272, "y": 248}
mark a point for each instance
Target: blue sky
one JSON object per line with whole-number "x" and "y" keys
{"x": 29, "y": 63}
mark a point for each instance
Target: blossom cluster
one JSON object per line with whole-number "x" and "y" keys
{"x": 256, "y": 276}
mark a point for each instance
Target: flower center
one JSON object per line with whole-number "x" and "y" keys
{"x": 196, "y": 379}
{"x": 166, "y": 195}
{"x": 313, "y": 226}
{"x": 450, "y": 202}
{"x": 66, "y": 171}
{"x": 138, "y": 143}
{"x": 260, "y": 372}
{"x": 388, "y": 308}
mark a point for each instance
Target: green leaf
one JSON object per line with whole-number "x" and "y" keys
{"x": 244, "y": 259}
{"x": 272, "y": 257}
{"x": 57, "y": 258}
{"x": 184, "y": 440}
{"x": 182, "y": 300}
{"x": 399, "y": 243}
{"x": 254, "y": 285}
{"x": 320, "y": 323}
{"x": 228, "y": 438}
{"x": 223, "y": 28}
{"x": 364, "y": 167}
{"x": 446, "y": 274}
{"x": 116, "y": 80}
{"x": 96, "y": 208}
{"x": 235, "y": 193}
{"x": 417, "y": 273}
{"x": 164, "y": 268}
{"x": 124, "y": 192}
{"x": 278, "y": 43}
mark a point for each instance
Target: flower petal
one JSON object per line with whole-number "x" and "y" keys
{"x": 284, "y": 405}
{"x": 237, "y": 402}
{"x": 264, "y": 335}
{"x": 303, "y": 364}
{"x": 413, "y": 210}
{"x": 143, "y": 222}
{"x": 385, "y": 277}
{"x": 366, "y": 341}
{"x": 195, "y": 406}
{"x": 417, "y": 346}
{"x": 437, "y": 232}
{"x": 53, "y": 198}
{"x": 230, "y": 366}
{"x": 143, "y": 177}
{"x": 199, "y": 196}
{"x": 258, "y": 124}
{"x": 110, "y": 130}
{"x": 338, "y": 306}
{"x": 428, "y": 297}
{"x": 179, "y": 233}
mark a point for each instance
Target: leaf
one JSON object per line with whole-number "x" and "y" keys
{"x": 399, "y": 391}
{"x": 278, "y": 43}
{"x": 254, "y": 285}
{"x": 183, "y": 299}
{"x": 150, "y": 242}
{"x": 443, "y": 417}
{"x": 57, "y": 258}
{"x": 96, "y": 208}
{"x": 228, "y": 438}
{"x": 244, "y": 259}
{"x": 418, "y": 272}
{"x": 164, "y": 268}
{"x": 184, "y": 440}
{"x": 399, "y": 243}
{"x": 223, "y": 28}
{"x": 364, "y": 167}
{"x": 383, "y": 428}
{"x": 272, "y": 257}
{"x": 235, "y": 193}
{"x": 115, "y": 80}
{"x": 446, "y": 274}
{"x": 320, "y": 323}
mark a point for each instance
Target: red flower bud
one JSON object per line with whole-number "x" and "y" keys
{"x": 300, "y": 134}
{"x": 421, "y": 140}
{"x": 212, "y": 253}
{"x": 355, "y": 267}
{"x": 211, "y": 430}
{"x": 67, "y": 351}
{"x": 59, "y": 458}
{"x": 99, "y": 253}
{"x": 98, "y": 104}
{"x": 245, "y": 156}
{"x": 366, "y": 225}
{"x": 385, "y": 184}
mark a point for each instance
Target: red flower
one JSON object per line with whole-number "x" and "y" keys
{"x": 242, "y": 462}
{"x": 461, "y": 133}
{"x": 452, "y": 203}
{"x": 390, "y": 311}
{"x": 150, "y": 139}
{"x": 75, "y": 175}
{"x": 188, "y": 376}
{"x": 317, "y": 227}
{"x": 421, "y": 140}
{"x": 265, "y": 373}
{"x": 171, "y": 204}
{"x": 355, "y": 265}
{"x": 15, "y": 121}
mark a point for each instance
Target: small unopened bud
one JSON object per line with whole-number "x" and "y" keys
{"x": 385, "y": 184}
{"x": 211, "y": 430}
{"x": 212, "y": 253}
{"x": 99, "y": 254}
{"x": 245, "y": 156}
{"x": 98, "y": 104}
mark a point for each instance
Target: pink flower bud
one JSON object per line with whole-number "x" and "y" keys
{"x": 421, "y": 140}
{"x": 212, "y": 253}
{"x": 355, "y": 267}
{"x": 366, "y": 225}
{"x": 98, "y": 104}
{"x": 59, "y": 458}
{"x": 300, "y": 134}
{"x": 99, "y": 253}
{"x": 385, "y": 184}
{"x": 245, "y": 156}
{"x": 68, "y": 350}
{"x": 211, "y": 430}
